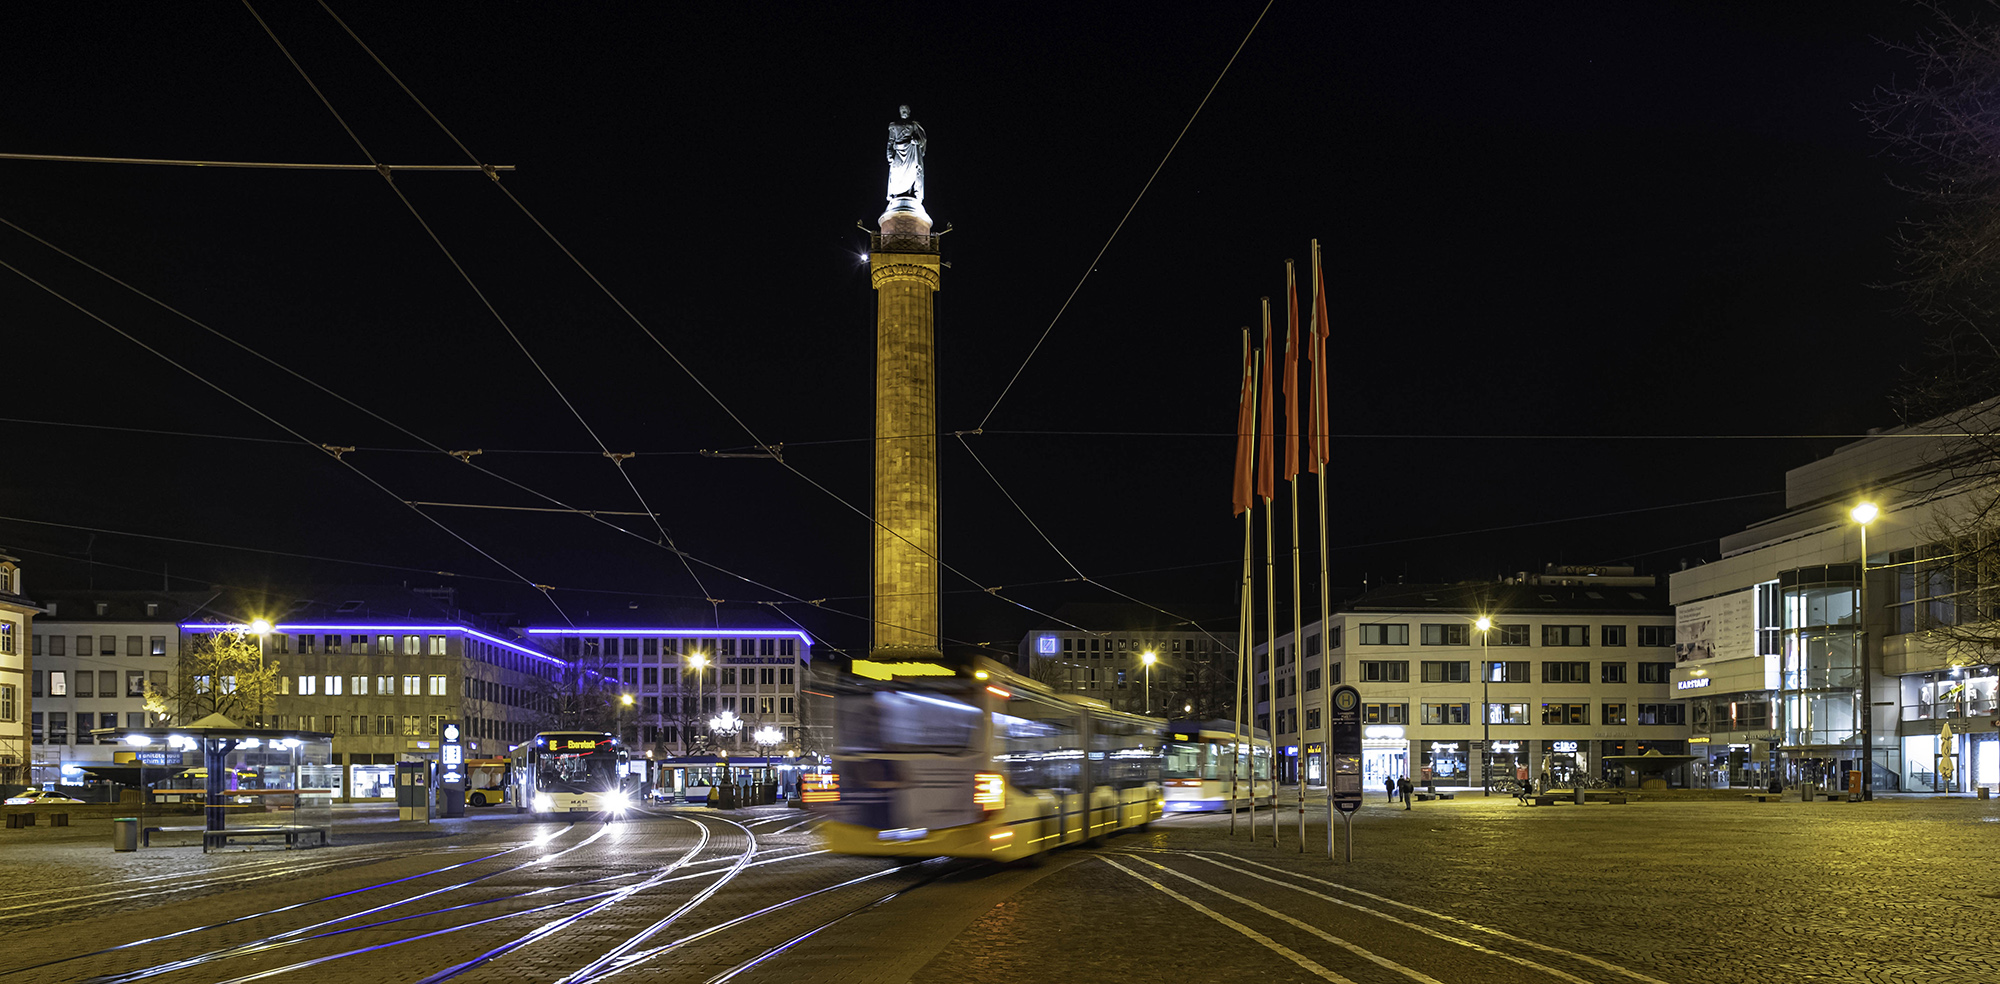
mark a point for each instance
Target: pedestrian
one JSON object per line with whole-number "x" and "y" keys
{"x": 1389, "y": 782}
{"x": 1403, "y": 786}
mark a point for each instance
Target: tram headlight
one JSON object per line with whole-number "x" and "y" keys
{"x": 989, "y": 790}
{"x": 617, "y": 802}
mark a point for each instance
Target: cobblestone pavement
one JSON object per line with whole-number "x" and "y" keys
{"x": 1476, "y": 889}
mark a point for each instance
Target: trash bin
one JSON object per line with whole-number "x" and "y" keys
{"x": 1985, "y": 793}
{"x": 125, "y": 834}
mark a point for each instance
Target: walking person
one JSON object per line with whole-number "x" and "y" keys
{"x": 1389, "y": 782}
{"x": 1403, "y": 786}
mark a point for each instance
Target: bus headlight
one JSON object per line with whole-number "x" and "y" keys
{"x": 544, "y": 803}
{"x": 617, "y": 802}
{"x": 989, "y": 790}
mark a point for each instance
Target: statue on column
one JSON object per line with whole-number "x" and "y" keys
{"x": 906, "y": 158}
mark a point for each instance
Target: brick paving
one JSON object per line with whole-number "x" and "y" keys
{"x": 1902, "y": 889}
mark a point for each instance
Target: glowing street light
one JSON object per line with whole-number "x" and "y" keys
{"x": 1147, "y": 657}
{"x": 696, "y": 661}
{"x": 1862, "y": 515}
{"x": 1485, "y": 708}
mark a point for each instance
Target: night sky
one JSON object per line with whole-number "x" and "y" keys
{"x": 1582, "y": 260}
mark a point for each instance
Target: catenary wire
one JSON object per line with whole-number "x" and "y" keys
{"x": 653, "y": 336}
{"x": 1091, "y": 267}
{"x": 484, "y": 301}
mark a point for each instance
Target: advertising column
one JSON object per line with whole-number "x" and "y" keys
{"x": 451, "y": 772}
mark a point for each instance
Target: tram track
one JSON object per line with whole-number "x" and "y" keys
{"x": 1300, "y": 916}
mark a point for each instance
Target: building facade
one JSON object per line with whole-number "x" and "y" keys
{"x": 95, "y": 654}
{"x": 1574, "y": 670}
{"x": 1188, "y": 677}
{"x": 1805, "y": 654}
{"x": 17, "y": 626}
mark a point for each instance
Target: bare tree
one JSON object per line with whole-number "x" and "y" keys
{"x": 221, "y": 672}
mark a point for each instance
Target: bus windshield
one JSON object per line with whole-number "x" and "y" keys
{"x": 891, "y": 721}
{"x": 577, "y": 772}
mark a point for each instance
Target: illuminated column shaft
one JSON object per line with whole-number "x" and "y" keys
{"x": 904, "y": 266}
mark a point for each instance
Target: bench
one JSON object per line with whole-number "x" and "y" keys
{"x": 1548, "y": 799}
{"x": 1763, "y": 797}
{"x": 1426, "y": 797}
{"x": 290, "y": 835}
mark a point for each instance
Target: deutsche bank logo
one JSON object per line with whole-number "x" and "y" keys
{"x": 1048, "y": 645}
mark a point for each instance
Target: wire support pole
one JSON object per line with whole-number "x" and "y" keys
{"x": 267, "y": 165}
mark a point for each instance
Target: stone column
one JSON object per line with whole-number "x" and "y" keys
{"x": 905, "y": 268}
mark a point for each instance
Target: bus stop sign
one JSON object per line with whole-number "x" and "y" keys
{"x": 1343, "y": 746}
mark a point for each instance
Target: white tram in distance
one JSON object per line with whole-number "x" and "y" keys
{"x": 566, "y": 772}
{"x": 986, "y": 764}
{"x": 1198, "y": 762}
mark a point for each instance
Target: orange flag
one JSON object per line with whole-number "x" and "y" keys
{"x": 1246, "y": 426}
{"x": 1266, "y": 426}
{"x": 1291, "y": 374}
{"x": 1322, "y": 419}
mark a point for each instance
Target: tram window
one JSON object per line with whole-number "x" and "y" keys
{"x": 893, "y": 721}
{"x": 1183, "y": 761}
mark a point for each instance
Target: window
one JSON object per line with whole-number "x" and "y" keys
{"x": 1447, "y": 713}
{"x": 1385, "y": 671}
{"x": 1662, "y": 714}
{"x": 58, "y": 683}
{"x": 1333, "y": 637}
{"x": 413, "y": 725}
{"x": 1507, "y": 714}
{"x": 332, "y": 643}
{"x": 1614, "y": 714}
{"x": 385, "y": 645}
{"x": 158, "y": 644}
{"x": 1507, "y": 635}
{"x": 86, "y": 683}
{"x": 1565, "y": 635}
{"x": 359, "y": 685}
{"x": 1656, "y": 635}
{"x": 135, "y": 683}
{"x": 438, "y": 686}
{"x": 785, "y": 676}
{"x": 1565, "y": 713}
{"x": 413, "y": 645}
{"x": 308, "y": 685}
{"x": 107, "y": 645}
{"x": 1508, "y": 671}
{"x": 1655, "y": 672}
{"x": 158, "y": 678}
{"x": 38, "y": 689}
{"x": 333, "y": 686}
{"x": 413, "y": 685}
{"x": 306, "y": 643}
{"x": 1610, "y": 635}
{"x": 1440, "y": 671}
{"x": 1385, "y": 713}
{"x": 58, "y": 727}
{"x": 437, "y": 644}
{"x": 1770, "y": 620}
{"x": 787, "y": 705}
{"x": 1385, "y": 634}
{"x": 1312, "y": 717}
{"x": 135, "y": 645}
{"x": 1612, "y": 672}
{"x": 631, "y": 676}
{"x": 10, "y": 709}
{"x": 1445, "y": 635}
{"x": 1566, "y": 672}
{"x": 1312, "y": 679}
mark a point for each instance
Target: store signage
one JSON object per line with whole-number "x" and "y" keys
{"x": 1385, "y": 731}
{"x": 1444, "y": 746}
{"x": 1048, "y": 645}
{"x": 1343, "y": 738}
{"x": 1563, "y": 746}
{"x": 1509, "y": 747}
{"x": 1695, "y": 684}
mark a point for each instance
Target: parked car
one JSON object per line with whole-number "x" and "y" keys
{"x": 40, "y": 797}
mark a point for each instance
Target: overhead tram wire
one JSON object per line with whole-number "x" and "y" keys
{"x": 364, "y": 476}
{"x": 647, "y": 331}
{"x": 592, "y": 515}
{"x": 1091, "y": 267}
{"x": 78, "y": 159}
{"x": 474, "y": 287}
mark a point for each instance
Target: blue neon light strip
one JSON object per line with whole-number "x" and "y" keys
{"x": 297, "y": 627}
{"x": 681, "y": 633}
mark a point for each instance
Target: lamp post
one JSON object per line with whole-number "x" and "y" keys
{"x": 624, "y": 703}
{"x": 696, "y": 661}
{"x": 1148, "y": 657}
{"x": 261, "y": 628}
{"x": 767, "y": 738}
{"x": 1862, "y": 515}
{"x": 726, "y": 723}
{"x": 1485, "y": 708}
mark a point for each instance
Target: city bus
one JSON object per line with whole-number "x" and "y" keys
{"x": 487, "y": 780}
{"x": 1198, "y": 761}
{"x": 985, "y": 764}
{"x": 558, "y": 772}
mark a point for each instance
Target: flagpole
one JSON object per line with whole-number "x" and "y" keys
{"x": 1270, "y": 628}
{"x": 1245, "y": 630}
{"x": 1298, "y": 614}
{"x": 1245, "y": 499}
{"x": 1319, "y": 456}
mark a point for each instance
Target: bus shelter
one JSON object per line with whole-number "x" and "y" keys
{"x": 255, "y": 785}
{"x": 703, "y": 779}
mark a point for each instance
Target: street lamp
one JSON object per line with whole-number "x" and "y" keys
{"x": 1862, "y": 515}
{"x": 695, "y": 660}
{"x": 1485, "y": 708}
{"x": 767, "y": 738}
{"x": 1147, "y": 657}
